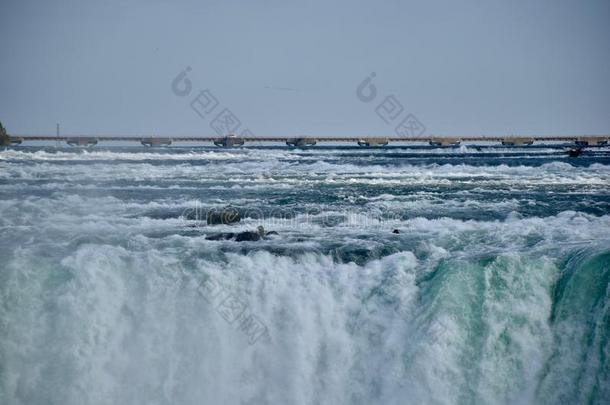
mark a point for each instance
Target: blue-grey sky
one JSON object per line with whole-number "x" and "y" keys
{"x": 287, "y": 68}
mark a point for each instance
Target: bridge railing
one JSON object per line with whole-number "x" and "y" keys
{"x": 508, "y": 140}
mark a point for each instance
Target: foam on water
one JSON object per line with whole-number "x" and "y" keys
{"x": 110, "y": 294}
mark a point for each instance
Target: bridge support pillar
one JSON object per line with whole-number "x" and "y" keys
{"x": 156, "y": 141}
{"x": 301, "y": 142}
{"x": 591, "y": 141}
{"x": 229, "y": 141}
{"x": 373, "y": 142}
{"x": 445, "y": 142}
{"x": 517, "y": 141}
{"x": 82, "y": 141}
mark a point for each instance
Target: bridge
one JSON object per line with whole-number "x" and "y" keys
{"x": 309, "y": 141}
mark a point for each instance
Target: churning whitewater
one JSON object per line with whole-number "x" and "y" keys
{"x": 496, "y": 290}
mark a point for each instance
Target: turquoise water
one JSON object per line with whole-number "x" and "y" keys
{"x": 495, "y": 291}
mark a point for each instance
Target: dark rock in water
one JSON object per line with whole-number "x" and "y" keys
{"x": 247, "y": 236}
{"x": 251, "y": 236}
{"x": 225, "y": 216}
{"x": 221, "y": 236}
{"x": 575, "y": 152}
{"x": 395, "y": 231}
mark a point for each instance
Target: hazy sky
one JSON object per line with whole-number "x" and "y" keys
{"x": 288, "y": 68}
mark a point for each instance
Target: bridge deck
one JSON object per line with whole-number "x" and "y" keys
{"x": 299, "y": 142}
{"x": 495, "y": 138}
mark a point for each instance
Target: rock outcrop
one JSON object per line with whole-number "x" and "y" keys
{"x": 246, "y": 236}
{"x": 5, "y": 140}
{"x": 574, "y": 152}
